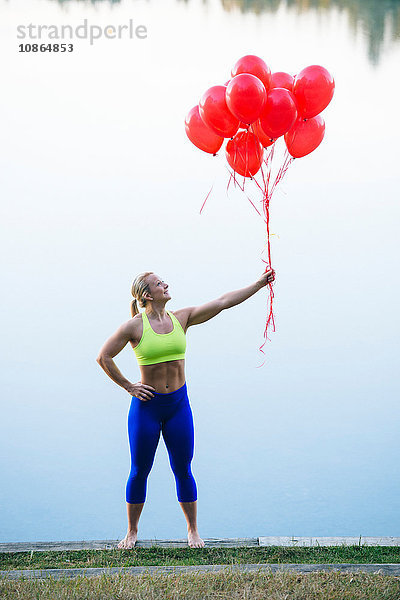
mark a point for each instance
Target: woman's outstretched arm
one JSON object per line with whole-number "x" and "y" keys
{"x": 199, "y": 314}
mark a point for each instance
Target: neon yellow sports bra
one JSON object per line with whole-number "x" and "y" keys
{"x": 156, "y": 348}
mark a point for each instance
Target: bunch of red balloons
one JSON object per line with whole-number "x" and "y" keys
{"x": 255, "y": 108}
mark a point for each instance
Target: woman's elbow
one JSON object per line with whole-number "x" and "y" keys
{"x": 101, "y": 358}
{"x": 226, "y": 302}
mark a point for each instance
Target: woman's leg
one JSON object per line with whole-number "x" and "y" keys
{"x": 190, "y": 512}
{"x": 134, "y": 511}
{"x": 144, "y": 433}
{"x": 178, "y": 434}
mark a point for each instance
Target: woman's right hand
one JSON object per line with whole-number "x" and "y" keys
{"x": 141, "y": 390}
{"x": 267, "y": 277}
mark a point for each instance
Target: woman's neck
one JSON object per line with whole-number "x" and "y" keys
{"x": 156, "y": 312}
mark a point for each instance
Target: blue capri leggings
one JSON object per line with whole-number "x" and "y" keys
{"x": 170, "y": 414}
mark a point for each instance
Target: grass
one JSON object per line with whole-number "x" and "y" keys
{"x": 209, "y": 586}
{"x": 198, "y": 556}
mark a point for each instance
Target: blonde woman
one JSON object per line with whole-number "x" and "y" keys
{"x": 160, "y": 403}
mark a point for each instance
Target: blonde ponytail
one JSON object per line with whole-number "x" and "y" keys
{"x": 139, "y": 288}
{"x": 134, "y": 308}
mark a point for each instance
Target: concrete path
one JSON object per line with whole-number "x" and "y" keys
{"x": 384, "y": 569}
{"x": 209, "y": 543}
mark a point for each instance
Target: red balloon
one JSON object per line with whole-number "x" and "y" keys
{"x": 260, "y": 134}
{"x": 279, "y": 112}
{"x": 215, "y": 112}
{"x": 201, "y": 135}
{"x": 282, "y": 80}
{"x": 245, "y": 97}
{"x": 305, "y": 136}
{"x": 244, "y": 153}
{"x": 254, "y": 65}
{"x": 313, "y": 89}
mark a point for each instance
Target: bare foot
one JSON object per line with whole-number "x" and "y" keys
{"x": 194, "y": 540}
{"x": 129, "y": 540}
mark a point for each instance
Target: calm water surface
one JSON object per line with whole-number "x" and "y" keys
{"x": 100, "y": 183}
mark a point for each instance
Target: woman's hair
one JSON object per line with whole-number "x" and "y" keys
{"x": 139, "y": 287}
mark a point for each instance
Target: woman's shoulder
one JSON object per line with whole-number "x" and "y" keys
{"x": 182, "y": 315}
{"x": 134, "y": 327}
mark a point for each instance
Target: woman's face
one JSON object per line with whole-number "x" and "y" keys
{"x": 158, "y": 288}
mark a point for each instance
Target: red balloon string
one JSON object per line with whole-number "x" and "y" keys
{"x": 266, "y": 186}
{"x": 246, "y": 164}
{"x": 287, "y": 161}
{"x": 206, "y": 198}
{"x": 270, "y": 322}
{"x": 229, "y": 180}
{"x": 243, "y": 190}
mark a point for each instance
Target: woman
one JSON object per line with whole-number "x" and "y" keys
{"x": 159, "y": 400}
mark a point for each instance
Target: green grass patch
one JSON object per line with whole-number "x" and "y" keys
{"x": 197, "y": 556}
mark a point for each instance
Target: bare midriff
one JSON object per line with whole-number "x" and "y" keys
{"x": 164, "y": 377}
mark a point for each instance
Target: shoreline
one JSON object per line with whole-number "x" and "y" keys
{"x": 261, "y": 541}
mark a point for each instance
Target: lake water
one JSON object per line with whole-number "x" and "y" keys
{"x": 99, "y": 183}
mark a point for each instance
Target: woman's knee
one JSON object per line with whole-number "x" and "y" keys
{"x": 181, "y": 470}
{"x": 140, "y": 471}
{"x": 136, "y": 490}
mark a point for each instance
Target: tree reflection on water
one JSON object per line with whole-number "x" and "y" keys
{"x": 378, "y": 20}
